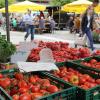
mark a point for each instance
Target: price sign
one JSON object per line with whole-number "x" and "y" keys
{"x": 36, "y": 66}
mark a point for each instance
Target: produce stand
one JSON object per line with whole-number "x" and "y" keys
{"x": 62, "y": 56}
{"x": 82, "y": 94}
{"x": 68, "y": 92}
{"x": 89, "y": 63}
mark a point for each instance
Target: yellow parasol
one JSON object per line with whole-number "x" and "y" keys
{"x": 80, "y": 2}
{"x": 78, "y": 6}
{"x": 22, "y": 7}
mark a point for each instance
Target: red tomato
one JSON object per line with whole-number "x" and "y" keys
{"x": 36, "y": 96}
{"x": 46, "y": 84}
{"x": 52, "y": 89}
{"x": 5, "y": 82}
{"x": 82, "y": 80}
{"x": 84, "y": 87}
{"x": 62, "y": 74}
{"x": 35, "y": 88}
{"x": 91, "y": 80}
{"x": 25, "y": 96}
{"x": 36, "y": 77}
{"x": 92, "y": 85}
{"x": 1, "y": 76}
{"x": 23, "y": 90}
{"x": 22, "y": 84}
{"x": 13, "y": 91}
{"x": 19, "y": 76}
{"x": 98, "y": 81}
{"x": 43, "y": 92}
{"x": 92, "y": 61}
{"x": 14, "y": 82}
{"x": 87, "y": 84}
{"x": 65, "y": 79}
{"x": 63, "y": 69}
{"x": 86, "y": 76}
{"x": 30, "y": 85}
{"x": 43, "y": 81}
{"x": 32, "y": 79}
{"x": 15, "y": 97}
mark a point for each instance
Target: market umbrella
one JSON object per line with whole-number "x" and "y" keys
{"x": 79, "y": 6}
{"x": 76, "y": 6}
{"x": 22, "y": 7}
{"x": 80, "y": 2}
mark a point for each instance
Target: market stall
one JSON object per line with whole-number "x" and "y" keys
{"x": 78, "y": 6}
{"x": 22, "y": 7}
{"x": 66, "y": 76}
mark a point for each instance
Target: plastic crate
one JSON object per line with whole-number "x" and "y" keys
{"x": 7, "y": 70}
{"x": 4, "y": 95}
{"x": 98, "y": 56}
{"x": 78, "y": 62}
{"x": 90, "y": 94}
{"x": 3, "y": 67}
{"x": 67, "y": 93}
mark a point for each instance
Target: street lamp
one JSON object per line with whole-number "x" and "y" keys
{"x": 7, "y": 20}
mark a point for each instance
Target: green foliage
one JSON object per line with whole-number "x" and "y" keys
{"x": 96, "y": 37}
{"x": 6, "y": 50}
{"x": 62, "y": 2}
{"x": 20, "y": 0}
{"x": 2, "y": 2}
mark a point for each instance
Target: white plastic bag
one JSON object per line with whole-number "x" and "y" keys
{"x": 27, "y": 46}
{"x": 46, "y": 55}
{"x": 83, "y": 40}
{"x": 19, "y": 56}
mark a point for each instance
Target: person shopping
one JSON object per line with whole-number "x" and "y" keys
{"x": 29, "y": 21}
{"x": 87, "y": 22}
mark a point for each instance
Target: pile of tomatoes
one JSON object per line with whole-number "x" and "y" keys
{"x": 76, "y": 78}
{"x": 92, "y": 63}
{"x": 24, "y": 87}
{"x": 61, "y": 52}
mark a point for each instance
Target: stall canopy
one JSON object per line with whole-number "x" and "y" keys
{"x": 78, "y": 6}
{"x": 22, "y": 7}
{"x": 80, "y": 2}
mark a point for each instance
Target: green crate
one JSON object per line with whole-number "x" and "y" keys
{"x": 68, "y": 92}
{"x": 78, "y": 62}
{"x": 98, "y": 56}
{"x": 7, "y": 70}
{"x": 4, "y": 95}
{"x": 90, "y": 94}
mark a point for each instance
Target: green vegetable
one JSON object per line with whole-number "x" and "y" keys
{"x": 96, "y": 37}
{"x": 6, "y": 50}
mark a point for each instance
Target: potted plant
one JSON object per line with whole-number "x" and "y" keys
{"x": 6, "y": 50}
{"x": 96, "y": 36}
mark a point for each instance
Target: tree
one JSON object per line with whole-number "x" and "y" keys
{"x": 20, "y": 0}
{"x": 2, "y": 2}
{"x": 62, "y": 2}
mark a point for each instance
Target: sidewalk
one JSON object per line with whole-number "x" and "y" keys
{"x": 63, "y": 36}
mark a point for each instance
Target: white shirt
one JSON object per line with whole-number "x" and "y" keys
{"x": 28, "y": 19}
{"x": 88, "y": 17}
